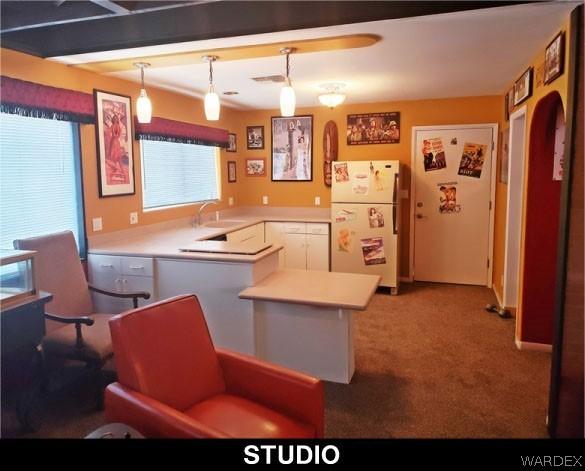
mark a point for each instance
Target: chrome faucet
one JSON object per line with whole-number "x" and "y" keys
{"x": 207, "y": 203}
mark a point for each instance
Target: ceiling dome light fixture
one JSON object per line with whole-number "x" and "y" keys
{"x": 288, "y": 99}
{"x": 333, "y": 97}
{"x": 211, "y": 98}
{"x": 143, "y": 103}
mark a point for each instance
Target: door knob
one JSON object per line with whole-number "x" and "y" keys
{"x": 419, "y": 205}
{"x": 419, "y": 216}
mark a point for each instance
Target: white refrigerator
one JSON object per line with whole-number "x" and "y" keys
{"x": 365, "y": 214}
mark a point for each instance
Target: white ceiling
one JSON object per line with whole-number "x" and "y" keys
{"x": 450, "y": 55}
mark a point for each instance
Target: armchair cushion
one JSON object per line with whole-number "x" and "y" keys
{"x": 240, "y": 418}
{"x": 164, "y": 351}
{"x": 97, "y": 342}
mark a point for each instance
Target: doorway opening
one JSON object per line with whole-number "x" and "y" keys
{"x": 543, "y": 193}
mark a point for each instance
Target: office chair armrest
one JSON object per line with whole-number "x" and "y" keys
{"x": 133, "y": 296}
{"x": 290, "y": 392}
{"x": 152, "y": 418}
{"x": 70, "y": 320}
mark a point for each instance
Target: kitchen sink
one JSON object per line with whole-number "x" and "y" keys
{"x": 223, "y": 223}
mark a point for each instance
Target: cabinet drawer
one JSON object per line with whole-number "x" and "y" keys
{"x": 142, "y": 266}
{"x": 317, "y": 228}
{"x": 295, "y": 227}
{"x": 103, "y": 264}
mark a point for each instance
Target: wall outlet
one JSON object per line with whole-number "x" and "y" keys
{"x": 231, "y": 200}
{"x": 96, "y": 224}
{"x": 265, "y": 200}
{"x": 317, "y": 201}
{"x": 134, "y": 218}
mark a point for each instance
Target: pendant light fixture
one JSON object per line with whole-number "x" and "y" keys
{"x": 288, "y": 99}
{"x": 143, "y": 104}
{"x": 333, "y": 97}
{"x": 211, "y": 98}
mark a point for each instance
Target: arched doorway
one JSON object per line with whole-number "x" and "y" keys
{"x": 547, "y": 135}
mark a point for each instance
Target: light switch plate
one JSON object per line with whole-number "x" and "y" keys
{"x": 134, "y": 218}
{"x": 231, "y": 200}
{"x": 265, "y": 200}
{"x": 317, "y": 201}
{"x": 96, "y": 224}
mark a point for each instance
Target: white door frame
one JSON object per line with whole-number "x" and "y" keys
{"x": 514, "y": 213}
{"x": 493, "y": 172}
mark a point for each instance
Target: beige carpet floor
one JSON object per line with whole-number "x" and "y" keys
{"x": 430, "y": 362}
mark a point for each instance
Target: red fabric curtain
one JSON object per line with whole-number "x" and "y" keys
{"x": 41, "y": 101}
{"x": 161, "y": 129}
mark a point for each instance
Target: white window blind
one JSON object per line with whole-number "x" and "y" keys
{"x": 40, "y": 179}
{"x": 175, "y": 173}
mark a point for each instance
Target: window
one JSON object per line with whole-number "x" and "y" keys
{"x": 175, "y": 173}
{"x": 40, "y": 179}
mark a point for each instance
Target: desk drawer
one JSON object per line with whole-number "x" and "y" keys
{"x": 317, "y": 228}
{"x": 295, "y": 227}
{"x": 142, "y": 266}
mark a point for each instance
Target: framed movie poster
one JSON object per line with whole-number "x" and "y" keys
{"x": 523, "y": 87}
{"x": 231, "y": 171}
{"x": 232, "y": 143}
{"x": 292, "y": 148}
{"x": 255, "y": 137}
{"x": 373, "y": 128}
{"x": 114, "y": 144}
{"x": 554, "y": 58}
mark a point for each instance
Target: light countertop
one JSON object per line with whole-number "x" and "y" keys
{"x": 315, "y": 288}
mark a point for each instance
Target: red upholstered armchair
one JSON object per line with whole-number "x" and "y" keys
{"x": 173, "y": 383}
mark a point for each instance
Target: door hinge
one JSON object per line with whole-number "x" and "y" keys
{"x": 488, "y": 262}
{"x": 490, "y": 205}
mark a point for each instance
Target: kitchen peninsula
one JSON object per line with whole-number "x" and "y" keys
{"x": 219, "y": 261}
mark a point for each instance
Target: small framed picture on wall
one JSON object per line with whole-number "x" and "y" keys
{"x": 232, "y": 143}
{"x": 231, "y": 171}
{"x": 554, "y": 58}
{"x": 255, "y": 167}
{"x": 523, "y": 87}
{"x": 255, "y": 137}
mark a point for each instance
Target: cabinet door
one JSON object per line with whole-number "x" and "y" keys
{"x": 295, "y": 251}
{"x": 132, "y": 284}
{"x": 274, "y": 234}
{"x": 317, "y": 252}
{"x": 105, "y": 273}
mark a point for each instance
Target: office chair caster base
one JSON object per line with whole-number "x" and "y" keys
{"x": 30, "y": 409}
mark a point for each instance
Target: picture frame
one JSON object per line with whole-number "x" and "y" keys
{"x": 255, "y": 167}
{"x": 523, "y": 87}
{"x": 255, "y": 137}
{"x": 114, "y": 144}
{"x": 292, "y": 148}
{"x": 510, "y": 101}
{"x": 554, "y": 58}
{"x": 373, "y": 128}
{"x": 504, "y": 155}
{"x": 231, "y": 171}
{"x": 507, "y": 106}
{"x": 232, "y": 142}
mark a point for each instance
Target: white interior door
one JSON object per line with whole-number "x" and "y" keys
{"x": 452, "y": 187}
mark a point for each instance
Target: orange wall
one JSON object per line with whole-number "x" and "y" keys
{"x": 470, "y": 110}
{"x": 115, "y": 211}
{"x": 539, "y": 91}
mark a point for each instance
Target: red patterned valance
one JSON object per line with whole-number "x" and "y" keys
{"x": 161, "y": 129}
{"x": 41, "y": 101}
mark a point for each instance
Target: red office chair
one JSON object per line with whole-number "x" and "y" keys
{"x": 173, "y": 383}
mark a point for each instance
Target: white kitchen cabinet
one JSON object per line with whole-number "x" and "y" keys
{"x": 120, "y": 275}
{"x": 306, "y": 246}
{"x": 274, "y": 234}
{"x": 251, "y": 233}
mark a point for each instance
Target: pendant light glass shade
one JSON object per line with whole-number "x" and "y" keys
{"x": 212, "y": 105}
{"x": 288, "y": 99}
{"x": 211, "y": 102}
{"x": 143, "y": 108}
{"x": 143, "y": 104}
{"x": 332, "y": 99}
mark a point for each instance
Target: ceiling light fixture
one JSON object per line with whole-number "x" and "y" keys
{"x": 143, "y": 103}
{"x": 333, "y": 97}
{"x": 288, "y": 99}
{"x": 211, "y": 98}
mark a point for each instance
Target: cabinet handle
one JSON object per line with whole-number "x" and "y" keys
{"x": 136, "y": 267}
{"x": 106, "y": 265}
{"x": 117, "y": 284}
{"x": 124, "y": 283}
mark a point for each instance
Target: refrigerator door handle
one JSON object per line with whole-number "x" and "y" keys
{"x": 394, "y": 193}
{"x": 394, "y": 222}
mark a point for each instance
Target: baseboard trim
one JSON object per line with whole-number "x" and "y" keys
{"x": 532, "y": 346}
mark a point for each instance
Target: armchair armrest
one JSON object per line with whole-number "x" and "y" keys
{"x": 78, "y": 321}
{"x": 290, "y": 392}
{"x": 133, "y": 296}
{"x": 150, "y": 417}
